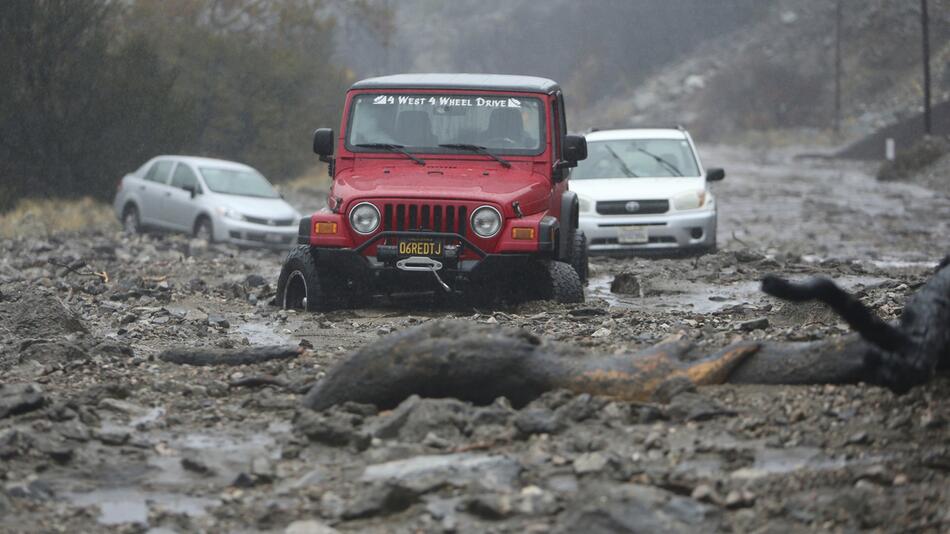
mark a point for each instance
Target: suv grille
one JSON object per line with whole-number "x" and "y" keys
{"x": 432, "y": 217}
{"x": 640, "y": 207}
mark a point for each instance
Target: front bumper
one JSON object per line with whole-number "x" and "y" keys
{"x": 253, "y": 235}
{"x": 666, "y": 232}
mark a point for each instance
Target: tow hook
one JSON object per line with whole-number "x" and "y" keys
{"x": 422, "y": 263}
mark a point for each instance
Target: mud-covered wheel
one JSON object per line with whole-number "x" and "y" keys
{"x": 563, "y": 283}
{"x": 131, "y": 223}
{"x": 579, "y": 256}
{"x": 298, "y": 287}
{"x": 204, "y": 230}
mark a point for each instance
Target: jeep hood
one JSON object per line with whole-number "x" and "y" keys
{"x": 449, "y": 182}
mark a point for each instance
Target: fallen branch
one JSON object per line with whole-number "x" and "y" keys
{"x": 104, "y": 276}
{"x": 258, "y": 381}
{"x": 245, "y": 356}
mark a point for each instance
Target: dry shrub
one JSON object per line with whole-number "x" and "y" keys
{"x": 38, "y": 218}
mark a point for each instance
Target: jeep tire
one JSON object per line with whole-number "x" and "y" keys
{"x": 563, "y": 285}
{"x": 579, "y": 257}
{"x": 298, "y": 286}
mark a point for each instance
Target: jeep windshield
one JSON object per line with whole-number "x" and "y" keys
{"x": 447, "y": 123}
{"x": 637, "y": 158}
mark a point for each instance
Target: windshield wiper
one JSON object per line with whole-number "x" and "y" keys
{"x": 662, "y": 161}
{"x": 480, "y": 149}
{"x": 394, "y": 148}
{"x": 623, "y": 166}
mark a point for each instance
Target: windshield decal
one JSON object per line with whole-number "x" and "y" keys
{"x": 447, "y": 101}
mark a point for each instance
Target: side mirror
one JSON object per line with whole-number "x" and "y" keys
{"x": 715, "y": 175}
{"x": 191, "y": 189}
{"x": 574, "y": 148}
{"x": 323, "y": 143}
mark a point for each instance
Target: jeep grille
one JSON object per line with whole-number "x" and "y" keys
{"x": 430, "y": 217}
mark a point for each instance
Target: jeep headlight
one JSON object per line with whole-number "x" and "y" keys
{"x": 486, "y": 221}
{"x": 690, "y": 201}
{"x": 585, "y": 205}
{"x": 364, "y": 218}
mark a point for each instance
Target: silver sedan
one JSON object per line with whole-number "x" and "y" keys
{"x": 212, "y": 199}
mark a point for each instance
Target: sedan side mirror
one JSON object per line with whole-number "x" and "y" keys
{"x": 574, "y": 149}
{"x": 715, "y": 175}
{"x": 323, "y": 143}
{"x": 191, "y": 189}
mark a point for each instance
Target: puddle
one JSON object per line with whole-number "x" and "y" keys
{"x": 261, "y": 334}
{"x": 131, "y": 505}
{"x": 692, "y": 296}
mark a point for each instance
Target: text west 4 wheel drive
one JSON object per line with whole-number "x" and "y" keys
{"x": 446, "y": 183}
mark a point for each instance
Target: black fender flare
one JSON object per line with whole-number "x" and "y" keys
{"x": 568, "y": 225}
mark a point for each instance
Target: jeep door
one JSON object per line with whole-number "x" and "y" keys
{"x": 152, "y": 191}
{"x": 180, "y": 208}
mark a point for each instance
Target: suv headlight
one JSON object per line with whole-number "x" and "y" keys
{"x": 486, "y": 221}
{"x": 364, "y": 218}
{"x": 690, "y": 201}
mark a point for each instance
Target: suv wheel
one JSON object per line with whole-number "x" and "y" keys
{"x": 579, "y": 257}
{"x": 204, "y": 230}
{"x": 298, "y": 286}
{"x": 131, "y": 224}
{"x": 563, "y": 283}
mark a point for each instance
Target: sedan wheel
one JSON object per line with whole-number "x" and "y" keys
{"x": 204, "y": 231}
{"x": 130, "y": 221}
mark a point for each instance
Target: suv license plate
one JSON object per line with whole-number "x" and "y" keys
{"x": 631, "y": 235}
{"x": 420, "y": 248}
{"x": 274, "y": 238}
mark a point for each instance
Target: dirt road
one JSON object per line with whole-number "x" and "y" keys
{"x": 97, "y": 434}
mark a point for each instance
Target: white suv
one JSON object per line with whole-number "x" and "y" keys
{"x": 645, "y": 190}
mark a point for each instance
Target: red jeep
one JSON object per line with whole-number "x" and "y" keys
{"x": 447, "y": 183}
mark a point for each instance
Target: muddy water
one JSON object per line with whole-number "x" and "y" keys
{"x": 184, "y": 451}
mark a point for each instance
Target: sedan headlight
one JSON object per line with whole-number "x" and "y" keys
{"x": 364, "y": 218}
{"x": 585, "y": 204}
{"x": 690, "y": 201}
{"x": 230, "y": 213}
{"x": 486, "y": 221}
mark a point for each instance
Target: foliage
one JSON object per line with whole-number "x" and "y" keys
{"x": 92, "y": 89}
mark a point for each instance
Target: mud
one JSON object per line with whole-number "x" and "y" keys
{"x": 97, "y": 433}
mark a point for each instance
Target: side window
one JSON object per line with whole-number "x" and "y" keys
{"x": 159, "y": 172}
{"x": 184, "y": 176}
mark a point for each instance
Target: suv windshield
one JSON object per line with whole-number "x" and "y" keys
{"x": 637, "y": 158}
{"x": 238, "y": 182}
{"x": 420, "y": 123}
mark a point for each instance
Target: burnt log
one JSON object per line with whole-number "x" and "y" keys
{"x": 479, "y": 363}
{"x": 897, "y": 356}
{"x": 243, "y": 356}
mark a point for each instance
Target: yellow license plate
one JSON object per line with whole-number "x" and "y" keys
{"x": 420, "y": 248}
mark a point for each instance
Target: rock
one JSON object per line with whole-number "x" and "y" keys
{"x": 739, "y": 499}
{"x": 586, "y": 312}
{"x": 255, "y": 280}
{"x": 601, "y": 332}
{"x": 755, "y": 324}
{"x": 704, "y": 493}
{"x": 122, "y": 407}
{"x": 538, "y": 421}
{"x": 591, "y": 462}
{"x": 380, "y": 500}
{"x": 218, "y": 321}
{"x": 491, "y": 506}
{"x": 112, "y": 437}
{"x": 17, "y": 399}
{"x": 310, "y": 526}
{"x": 415, "y": 418}
{"x": 626, "y": 283}
{"x": 636, "y": 508}
{"x": 858, "y": 438}
{"x": 332, "y": 505}
{"x": 333, "y": 427}
{"x": 195, "y": 465}
{"x": 262, "y": 469}
{"x": 425, "y": 473}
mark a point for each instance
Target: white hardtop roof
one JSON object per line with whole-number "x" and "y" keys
{"x": 207, "y": 162}
{"x": 636, "y": 133}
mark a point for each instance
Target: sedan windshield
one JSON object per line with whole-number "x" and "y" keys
{"x": 637, "y": 158}
{"x": 247, "y": 183}
{"x": 443, "y": 123}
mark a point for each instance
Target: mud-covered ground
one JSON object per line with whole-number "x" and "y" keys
{"x": 97, "y": 434}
